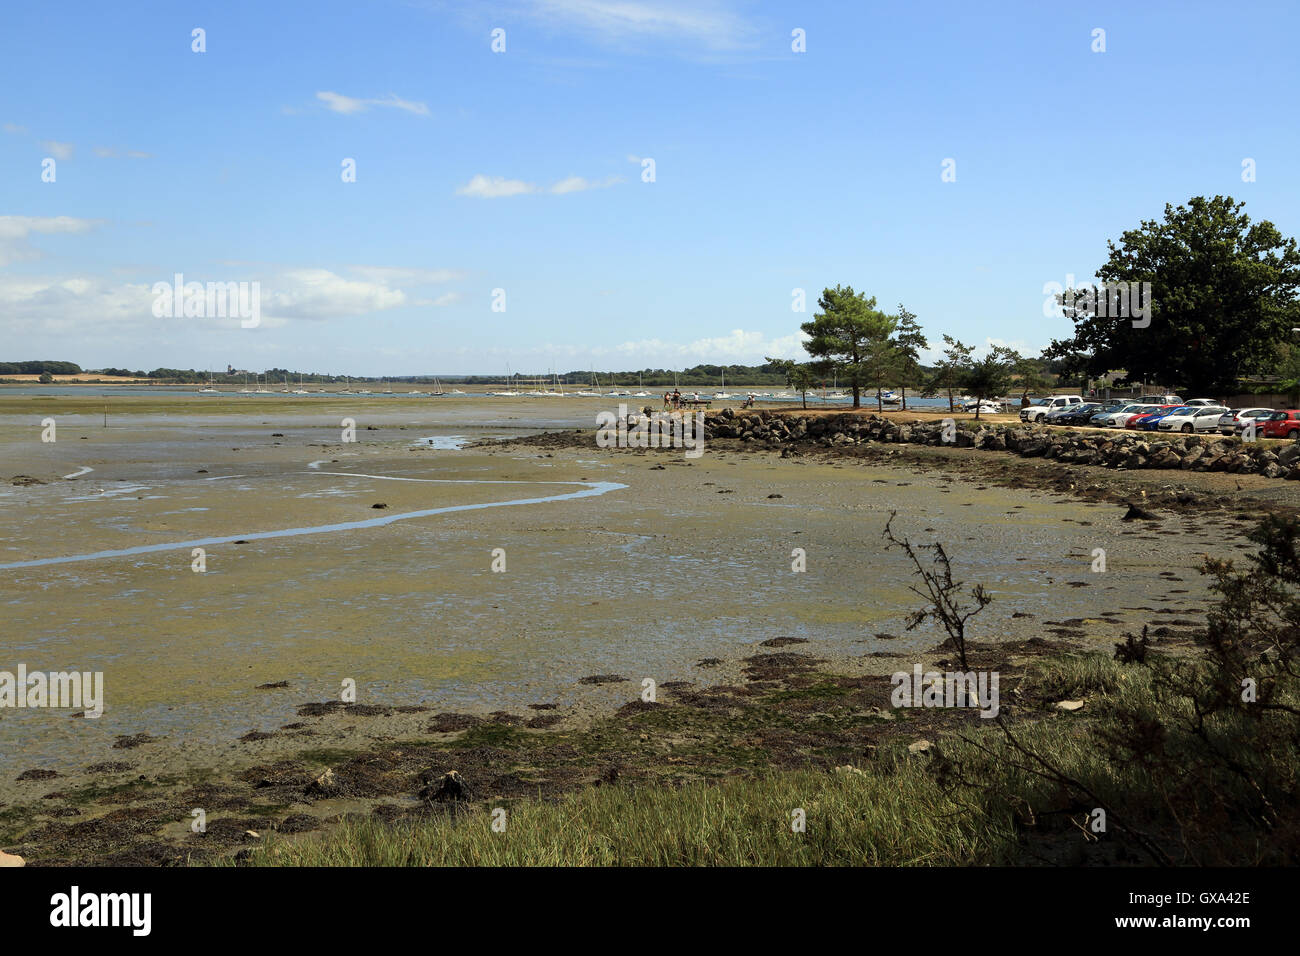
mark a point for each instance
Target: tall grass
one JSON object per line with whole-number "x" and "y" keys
{"x": 894, "y": 815}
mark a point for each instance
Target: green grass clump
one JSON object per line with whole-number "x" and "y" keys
{"x": 897, "y": 818}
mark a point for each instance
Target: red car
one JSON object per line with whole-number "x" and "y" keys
{"x": 1283, "y": 424}
{"x": 1147, "y": 410}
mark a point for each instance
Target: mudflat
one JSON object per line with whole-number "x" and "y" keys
{"x": 369, "y": 563}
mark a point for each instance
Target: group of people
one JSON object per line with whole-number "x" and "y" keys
{"x": 673, "y": 399}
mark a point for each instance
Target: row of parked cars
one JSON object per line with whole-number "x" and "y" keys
{"x": 1164, "y": 413}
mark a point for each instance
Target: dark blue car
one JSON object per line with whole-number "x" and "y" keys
{"x": 1151, "y": 423}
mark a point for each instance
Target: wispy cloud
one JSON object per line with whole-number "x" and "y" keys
{"x": 56, "y": 149}
{"x": 338, "y": 103}
{"x": 577, "y": 184}
{"x": 741, "y": 346}
{"x": 16, "y": 230}
{"x": 498, "y": 187}
{"x": 710, "y": 24}
{"x": 398, "y": 275}
{"x": 79, "y": 304}
{"x": 110, "y": 152}
{"x": 14, "y": 128}
{"x": 495, "y": 187}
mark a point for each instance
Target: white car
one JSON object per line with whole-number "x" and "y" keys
{"x": 1040, "y": 407}
{"x": 1116, "y": 417}
{"x": 1200, "y": 401}
{"x": 1234, "y": 420}
{"x": 1193, "y": 418}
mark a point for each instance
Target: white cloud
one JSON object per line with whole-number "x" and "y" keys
{"x": 705, "y": 23}
{"x": 398, "y": 275}
{"x": 576, "y": 184}
{"x": 88, "y": 305}
{"x": 110, "y": 152}
{"x": 16, "y": 230}
{"x": 495, "y": 187}
{"x": 338, "y": 103}
{"x": 56, "y": 149}
{"x": 33, "y": 305}
{"x": 321, "y": 294}
{"x": 14, "y": 128}
{"x": 740, "y": 347}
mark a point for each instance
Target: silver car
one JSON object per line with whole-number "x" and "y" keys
{"x": 1235, "y": 420}
{"x": 1116, "y": 417}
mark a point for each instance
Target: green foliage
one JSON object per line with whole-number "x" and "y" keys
{"x": 909, "y": 341}
{"x": 798, "y": 376}
{"x": 39, "y": 368}
{"x": 991, "y": 375}
{"x": 851, "y": 338}
{"x": 1224, "y": 293}
{"x": 951, "y": 374}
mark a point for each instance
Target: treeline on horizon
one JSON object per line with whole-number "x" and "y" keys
{"x": 707, "y": 375}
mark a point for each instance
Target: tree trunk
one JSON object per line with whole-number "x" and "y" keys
{"x": 805, "y": 399}
{"x": 857, "y": 396}
{"x": 904, "y": 408}
{"x": 951, "y": 406}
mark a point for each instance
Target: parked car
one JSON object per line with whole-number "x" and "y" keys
{"x": 1116, "y": 417}
{"x": 1151, "y": 423}
{"x": 1128, "y": 420}
{"x": 1160, "y": 400}
{"x": 1235, "y": 420}
{"x": 1201, "y": 401}
{"x": 1192, "y": 418}
{"x": 1283, "y": 424}
{"x": 1074, "y": 414}
{"x": 1041, "y": 406}
{"x": 1140, "y": 421}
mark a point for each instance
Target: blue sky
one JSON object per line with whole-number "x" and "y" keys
{"x": 521, "y": 170}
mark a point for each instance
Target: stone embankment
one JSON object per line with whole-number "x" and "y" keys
{"x": 1111, "y": 449}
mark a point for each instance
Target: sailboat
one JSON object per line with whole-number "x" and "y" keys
{"x": 509, "y": 391}
{"x": 641, "y": 385}
{"x": 591, "y": 392}
{"x": 300, "y": 390}
{"x": 210, "y": 389}
{"x": 835, "y": 393}
{"x": 723, "y": 393}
